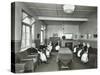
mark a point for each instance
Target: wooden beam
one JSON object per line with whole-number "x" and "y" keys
{"x": 62, "y": 19}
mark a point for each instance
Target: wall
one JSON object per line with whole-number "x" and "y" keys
{"x": 91, "y": 28}
{"x": 17, "y": 25}
{"x": 68, "y": 28}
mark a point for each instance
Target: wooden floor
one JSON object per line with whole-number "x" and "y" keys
{"x": 52, "y": 64}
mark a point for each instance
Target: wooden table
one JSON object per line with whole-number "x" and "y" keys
{"x": 64, "y": 58}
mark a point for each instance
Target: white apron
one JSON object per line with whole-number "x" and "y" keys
{"x": 42, "y": 56}
{"x": 49, "y": 48}
{"x": 75, "y": 50}
{"x": 79, "y": 52}
{"x": 47, "y": 53}
{"x": 57, "y": 48}
{"x": 84, "y": 58}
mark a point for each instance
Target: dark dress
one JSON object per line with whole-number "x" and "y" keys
{"x": 83, "y": 50}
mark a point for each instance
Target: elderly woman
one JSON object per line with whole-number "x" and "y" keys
{"x": 42, "y": 56}
{"x": 49, "y": 49}
{"x": 78, "y": 47}
{"x": 57, "y": 47}
{"x": 42, "y": 53}
{"x": 84, "y": 47}
{"x": 84, "y": 57}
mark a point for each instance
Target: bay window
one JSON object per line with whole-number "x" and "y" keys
{"x": 27, "y": 30}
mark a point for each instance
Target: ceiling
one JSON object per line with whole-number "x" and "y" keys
{"x": 56, "y": 10}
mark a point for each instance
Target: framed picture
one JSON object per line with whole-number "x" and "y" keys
{"x": 55, "y": 34}
{"x": 89, "y": 36}
{"x": 95, "y": 35}
{"x": 38, "y": 35}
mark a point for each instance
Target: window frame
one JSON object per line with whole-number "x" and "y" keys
{"x": 30, "y": 27}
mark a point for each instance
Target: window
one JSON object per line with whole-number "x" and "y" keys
{"x": 27, "y": 30}
{"x": 33, "y": 26}
{"x": 25, "y": 36}
{"x": 42, "y": 33}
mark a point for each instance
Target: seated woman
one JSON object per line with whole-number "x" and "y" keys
{"x": 48, "y": 50}
{"x": 82, "y": 49}
{"x": 57, "y": 47}
{"x": 79, "y": 46}
{"x": 42, "y": 56}
{"x": 85, "y": 55}
{"x": 75, "y": 48}
{"x": 42, "y": 53}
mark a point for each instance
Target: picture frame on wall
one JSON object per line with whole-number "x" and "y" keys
{"x": 95, "y": 35}
{"x": 38, "y": 35}
{"x": 85, "y": 36}
{"x": 89, "y": 36}
{"x": 55, "y": 34}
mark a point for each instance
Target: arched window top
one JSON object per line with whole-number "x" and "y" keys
{"x": 43, "y": 27}
{"x": 27, "y": 18}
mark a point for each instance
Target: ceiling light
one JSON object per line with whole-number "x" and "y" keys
{"x": 69, "y": 8}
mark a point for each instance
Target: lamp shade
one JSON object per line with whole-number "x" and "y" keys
{"x": 68, "y": 8}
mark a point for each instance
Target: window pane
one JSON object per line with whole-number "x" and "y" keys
{"x": 27, "y": 36}
{"x": 23, "y": 28}
{"x": 27, "y": 20}
{"x": 33, "y": 31}
{"x": 24, "y": 15}
{"x": 32, "y": 20}
{"x": 23, "y": 42}
{"x": 23, "y": 37}
{"x": 27, "y": 29}
{"x": 27, "y": 40}
{"x": 26, "y": 33}
{"x": 41, "y": 36}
